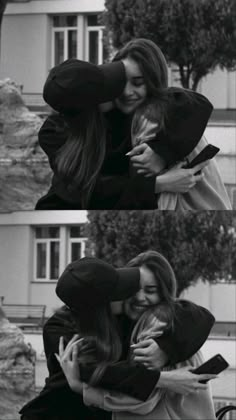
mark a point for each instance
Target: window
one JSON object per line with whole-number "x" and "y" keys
{"x": 47, "y": 253}
{"x": 64, "y": 38}
{"x": 95, "y": 50}
{"x": 76, "y": 243}
{"x": 54, "y": 248}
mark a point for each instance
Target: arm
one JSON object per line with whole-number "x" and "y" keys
{"x": 192, "y": 326}
{"x": 52, "y": 136}
{"x": 114, "y": 401}
{"x": 185, "y": 124}
{"x": 134, "y": 380}
{"x": 196, "y": 322}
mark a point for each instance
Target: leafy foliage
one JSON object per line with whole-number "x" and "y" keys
{"x": 197, "y": 36}
{"x": 198, "y": 245}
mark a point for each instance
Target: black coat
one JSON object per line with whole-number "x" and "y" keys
{"x": 185, "y": 123}
{"x": 57, "y": 399}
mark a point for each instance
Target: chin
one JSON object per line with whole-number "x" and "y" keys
{"x": 126, "y": 109}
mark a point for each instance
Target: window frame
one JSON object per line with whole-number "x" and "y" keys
{"x": 64, "y": 30}
{"x": 46, "y": 241}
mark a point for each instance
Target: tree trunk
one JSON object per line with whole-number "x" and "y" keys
{"x": 3, "y": 4}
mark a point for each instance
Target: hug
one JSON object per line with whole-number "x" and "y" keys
{"x": 136, "y": 362}
{"x": 120, "y": 138}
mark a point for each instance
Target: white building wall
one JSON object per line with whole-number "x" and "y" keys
{"x": 16, "y": 256}
{"x": 218, "y": 298}
{"x": 26, "y": 51}
{"x": 219, "y": 87}
{"x": 15, "y": 263}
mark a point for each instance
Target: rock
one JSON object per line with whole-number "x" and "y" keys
{"x": 17, "y": 370}
{"x": 24, "y": 170}
{"x": 18, "y": 126}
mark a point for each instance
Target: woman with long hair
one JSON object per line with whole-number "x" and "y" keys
{"x": 156, "y": 310}
{"x": 90, "y": 159}
{"x": 87, "y": 287}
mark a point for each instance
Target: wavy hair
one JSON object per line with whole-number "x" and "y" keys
{"x": 101, "y": 345}
{"x": 153, "y": 66}
{"x": 80, "y": 159}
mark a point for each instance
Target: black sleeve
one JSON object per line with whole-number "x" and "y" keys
{"x": 191, "y": 328}
{"x": 139, "y": 193}
{"x": 187, "y": 117}
{"x": 52, "y": 135}
{"x": 107, "y": 191}
{"x": 131, "y": 379}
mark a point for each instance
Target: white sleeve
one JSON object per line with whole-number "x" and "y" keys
{"x": 115, "y": 401}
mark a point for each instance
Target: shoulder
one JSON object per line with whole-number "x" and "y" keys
{"x": 62, "y": 318}
{"x": 185, "y": 309}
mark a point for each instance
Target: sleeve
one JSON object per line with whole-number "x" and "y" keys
{"x": 187, "y": 117}
{"x": 52, "y": 135}
{"x": 115, "y": 402}
{"x": 139, "y": 193}
{"x": 107, "y": 191}
{"x": 131, "y": 379}
{"x": 192, "y": 326}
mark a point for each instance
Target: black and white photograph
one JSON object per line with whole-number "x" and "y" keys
{"x": 117, "y": 209}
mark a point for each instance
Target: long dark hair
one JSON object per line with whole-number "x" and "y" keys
{"x": 154, "y": 69}
{"x": 101, "y": 344}
{"x": 79, "y": 160}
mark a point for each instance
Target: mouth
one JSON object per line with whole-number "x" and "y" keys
{"x": 138, "y": 308}
{"x": 129, "y": 102}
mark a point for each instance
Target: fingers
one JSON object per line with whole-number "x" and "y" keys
{"x": 142, "y": 344}
{"x": 137, "y": 150}
{"x": 206, "y": 376}
{"x": 61, "y": 346}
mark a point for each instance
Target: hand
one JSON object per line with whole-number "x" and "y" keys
{"x": 149, "y": 354}
{"x": 182, "y": 381}
{"x": 179, "y": 180}
{"x": 68, "y": 359}
{"x": 145, "y": 160}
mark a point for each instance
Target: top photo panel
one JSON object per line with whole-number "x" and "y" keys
{"x": 115, "y": 105}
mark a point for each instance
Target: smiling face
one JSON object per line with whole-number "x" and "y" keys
{"x": 135, "y": 91}
{"x": 146, "y": 297}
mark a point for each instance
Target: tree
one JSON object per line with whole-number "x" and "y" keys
{"x": 3, "y": 4}
{"x": 198, "y": 245}
{"x": 195, "y": 35}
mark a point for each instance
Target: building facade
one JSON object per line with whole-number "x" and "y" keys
{"x": 35, "y": 248}
{"x": 37, "y": 34}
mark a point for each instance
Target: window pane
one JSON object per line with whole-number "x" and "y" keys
{"x": 93, "y": 47}
{"x": 72, "y": 44}
{"x": 64, "y": 21}
{"x": 47, "y": 232}
{"x": 76, "y": 231}
{"x": 59, "y": 48}
{"x": 75, "y": 251}
{"x": 41, "y": 261}
{"x": 93, "y": 20}
{"x": 54, "y": 260}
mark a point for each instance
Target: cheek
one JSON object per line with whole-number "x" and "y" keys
{"x": 154, "y": 299}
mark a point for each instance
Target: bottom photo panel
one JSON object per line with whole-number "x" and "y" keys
{"x": 117, "y": 315}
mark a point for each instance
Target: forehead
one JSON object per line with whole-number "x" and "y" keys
{"x": 147, "y": 277}
{"x": 132, "y": 67}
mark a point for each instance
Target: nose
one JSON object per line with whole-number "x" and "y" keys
{"x": 128, "y": 90}
{"x": 140, "y": 296}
